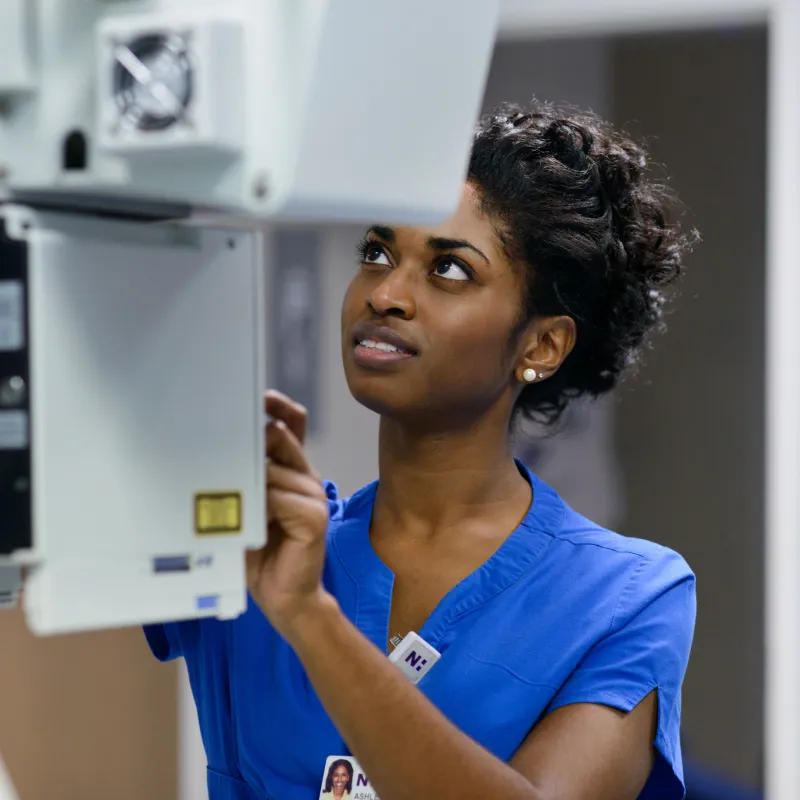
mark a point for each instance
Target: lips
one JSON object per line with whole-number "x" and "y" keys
{"x": 377, "y": 347}
{"x": 367, "y": 332}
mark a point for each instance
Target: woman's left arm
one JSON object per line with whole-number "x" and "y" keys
{"x": 406, "y": 746}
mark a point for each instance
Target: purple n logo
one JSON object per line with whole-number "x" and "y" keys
{"x": 361, "y": 780}
{"x": 416, "y": 660}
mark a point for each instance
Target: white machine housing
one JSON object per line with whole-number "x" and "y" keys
{"x": 146, "y": 355}
{"x": 142, "y": 354}
{"x": 297, "y": 109}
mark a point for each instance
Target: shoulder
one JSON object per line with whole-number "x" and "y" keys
{"x": 629, "y": 571}
{"x": 592, "y": 541}
{"x": 602, "y": 544}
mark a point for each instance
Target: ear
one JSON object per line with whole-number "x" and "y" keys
{"x": 544, "y": 346}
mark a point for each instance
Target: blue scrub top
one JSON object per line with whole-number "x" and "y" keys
{"x": 564, "y": 612}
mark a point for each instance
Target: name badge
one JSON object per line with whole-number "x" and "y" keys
{"x": 414, "y": 656}
{"x": 344, "y": 779}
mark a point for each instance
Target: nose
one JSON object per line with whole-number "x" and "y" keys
{"x": 394, "y": 296}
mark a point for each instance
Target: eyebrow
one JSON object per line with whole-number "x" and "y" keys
{"x": 434, "y": 242}
{"x": 441, "y": 243}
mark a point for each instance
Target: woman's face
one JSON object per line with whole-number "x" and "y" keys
{"x": 340, "y": 778}
{"x": 427, "y": 320}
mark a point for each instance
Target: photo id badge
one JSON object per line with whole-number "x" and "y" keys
{"x": 345, "y": 780}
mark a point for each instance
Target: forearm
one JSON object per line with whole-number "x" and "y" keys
{"x": 405, "y": 745}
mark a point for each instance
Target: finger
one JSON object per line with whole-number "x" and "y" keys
{"x": 279, "y": 406}
{"x": 280, "y": 477}
{"x": 284, "y": 448}
{"x": 301, "y": 518}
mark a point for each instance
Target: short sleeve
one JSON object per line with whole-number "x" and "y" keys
{"x": 164, "y": 640}
{"x": 647, "y": 648}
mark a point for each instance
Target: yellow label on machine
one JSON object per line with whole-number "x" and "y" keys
{"x": 218, "y": 512}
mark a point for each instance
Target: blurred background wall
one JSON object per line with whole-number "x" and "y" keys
{"x": 88, "y": 716}
{"x": 691, "y": 426}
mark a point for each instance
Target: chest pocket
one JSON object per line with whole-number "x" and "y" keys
{"x": 487, "y": 701}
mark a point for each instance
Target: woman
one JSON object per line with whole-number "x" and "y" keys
{"x": 563, "y": 646}
{"x": 339, "y": 781}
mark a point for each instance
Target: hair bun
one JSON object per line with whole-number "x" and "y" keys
{"x": 571, "y": 144}
{"x": 575, "y": 204}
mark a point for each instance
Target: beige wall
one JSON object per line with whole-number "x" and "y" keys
{"x": 87, "y": 716}
{"x": 691, "y": 430}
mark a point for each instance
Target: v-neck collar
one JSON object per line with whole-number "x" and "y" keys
{"x": 375, "y": 581}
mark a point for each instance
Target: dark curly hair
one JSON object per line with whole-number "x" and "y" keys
{"x": 574, "y": 206}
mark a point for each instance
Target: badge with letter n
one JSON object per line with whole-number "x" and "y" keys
{"x": 415, "y": 657}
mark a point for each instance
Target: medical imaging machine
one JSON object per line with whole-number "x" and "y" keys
{"x": 143, "y": 146}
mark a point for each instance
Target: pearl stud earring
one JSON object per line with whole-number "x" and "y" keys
{"x": 530, "y": 375}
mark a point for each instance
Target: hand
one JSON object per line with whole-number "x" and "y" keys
{"x": 285, "y": 577}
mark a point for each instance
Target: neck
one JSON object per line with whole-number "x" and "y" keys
{"x": 430, "y": 482}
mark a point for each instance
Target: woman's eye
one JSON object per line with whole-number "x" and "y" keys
{"x": 450, "y": 268}
{"x": 373, "y": 253}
